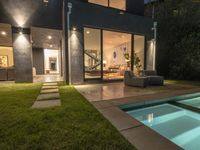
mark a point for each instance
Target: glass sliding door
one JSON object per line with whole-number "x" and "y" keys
{"x": 92, "y": 53}
{"x": 139, "y": 52}
{"x": 116, "y": 54}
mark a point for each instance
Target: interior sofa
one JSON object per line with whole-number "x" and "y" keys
{"x": 11, "y": 73}
{"x": 153, "y": 78}
{"x": 3, "y": 74}
{"x": 7, "y": 74}
{"x": 131, "y": 80}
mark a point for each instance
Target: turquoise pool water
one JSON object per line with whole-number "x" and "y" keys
{"x": 194, "y": 102}
{"x": 176, "y": 124}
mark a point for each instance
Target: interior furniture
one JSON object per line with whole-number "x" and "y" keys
{"x": 153, "y": 78}
{"x": 3, "y": 74}
{"x": 11, "y": 73}
{"x": 131, "y": 80}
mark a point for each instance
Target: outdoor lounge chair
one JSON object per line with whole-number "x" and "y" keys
{"x": 131, "y": 80}
{"x": 3, "y": 74}
{"x": 153, "y": 78}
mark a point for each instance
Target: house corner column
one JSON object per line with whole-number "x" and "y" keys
{"x": 22, "y": 49}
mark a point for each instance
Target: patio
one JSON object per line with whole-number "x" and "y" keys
{"x": 113, "y": 91}
{"x": 108, "y": 97}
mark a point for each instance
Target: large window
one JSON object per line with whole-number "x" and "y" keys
{"x": 118, "y": 4}
{"x": 92, "y": 53}
{"x": 139, "y": 47}
{"x": 116, "y": 54}
{"x": 108, "y": 54}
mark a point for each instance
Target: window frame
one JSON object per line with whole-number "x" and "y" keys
{"x": 108, "y": 6}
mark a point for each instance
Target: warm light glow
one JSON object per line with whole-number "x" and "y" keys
{"x": 150, "y": 117}
{"x": 49, "y": 37}
{"x": 20, "y": 32}
{"x": 21, "y": 14}
{"x": 3, "y": 33}
{"x": 74, "y": 29}
{"x": 88, "y": 32}
{"x": 51, "y": 46}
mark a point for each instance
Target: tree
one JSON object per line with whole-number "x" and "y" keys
{"x": 178, "y": 50}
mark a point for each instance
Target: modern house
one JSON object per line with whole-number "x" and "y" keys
{"x": 81, "y": 40}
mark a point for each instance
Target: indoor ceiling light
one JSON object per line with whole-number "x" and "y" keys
{"x": 3, "y": 33}
{"x": 45, "y": 1}
{"x": 88, "y": 32}
{"x": 49, "y": 37}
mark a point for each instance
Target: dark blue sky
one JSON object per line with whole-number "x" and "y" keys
{"x": 146, "y": 1}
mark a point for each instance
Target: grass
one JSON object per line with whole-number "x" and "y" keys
{"x": 197, "y": 83}
{"x": 76, "y": 125}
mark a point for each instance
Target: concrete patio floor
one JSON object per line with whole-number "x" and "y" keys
{"x": 108, "y": 97}
{"x": 111, "y": 91}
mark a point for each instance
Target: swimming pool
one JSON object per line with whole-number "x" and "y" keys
{"x": 194, "y": 102}
{"x": 176, "y": 124}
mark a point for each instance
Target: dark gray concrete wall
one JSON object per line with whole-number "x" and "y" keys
{"x": 28, "y": 13}
{"x": 77, "y": 56}
{"x": 104, "y": 18}
{"x": 38, "y": 60}
{"x": 22, "y": 49}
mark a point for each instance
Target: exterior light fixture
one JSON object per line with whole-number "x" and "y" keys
{"x": 45, "y": 1}
{"x": 3, "y": 33}
{"x": 88, "y": 32}
{"x": 121, "y": 13}
{"x": 49, "y": 37}
{"x": 20, "y": 30}
{"x": 74, "y": 29}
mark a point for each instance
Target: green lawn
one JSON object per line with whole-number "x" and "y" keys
{"x": 197, "y": 83}
{"x": 76, "y": 125}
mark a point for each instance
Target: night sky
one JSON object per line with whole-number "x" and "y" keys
{"x": 146, "y": 1}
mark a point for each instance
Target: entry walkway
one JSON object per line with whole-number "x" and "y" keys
{"x": 47, "y": 78}
{"x": 49, "y": 96}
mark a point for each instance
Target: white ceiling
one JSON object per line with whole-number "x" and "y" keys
{"x": 40, "y": 38}
{"x": 5, "y": 40}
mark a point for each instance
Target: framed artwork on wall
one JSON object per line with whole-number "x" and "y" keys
{"x": 3, "y": 61}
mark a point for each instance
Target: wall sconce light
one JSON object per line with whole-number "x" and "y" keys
{"x": 49, "y": 37}
{"x": 3, "y": 33}
{"x": 74, "y": 29}
{"x": 121, "y": 13}
{"x": 20, "y": 30}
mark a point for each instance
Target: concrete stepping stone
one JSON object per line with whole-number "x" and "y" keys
{"x": 49, "y": 87}
{"x": 50, "y": 84}
{"x": 46, "y": 104}
{"x": 49, "y": 91}
{"x": 48, "y": 96}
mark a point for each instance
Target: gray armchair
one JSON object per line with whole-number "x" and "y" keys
{"x": 3, "y": 74}
{"x": 153, "y": 78}
{"x": 131, "y": 80}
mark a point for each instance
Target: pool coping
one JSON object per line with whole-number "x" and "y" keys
{"x": 139, "y": 135}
